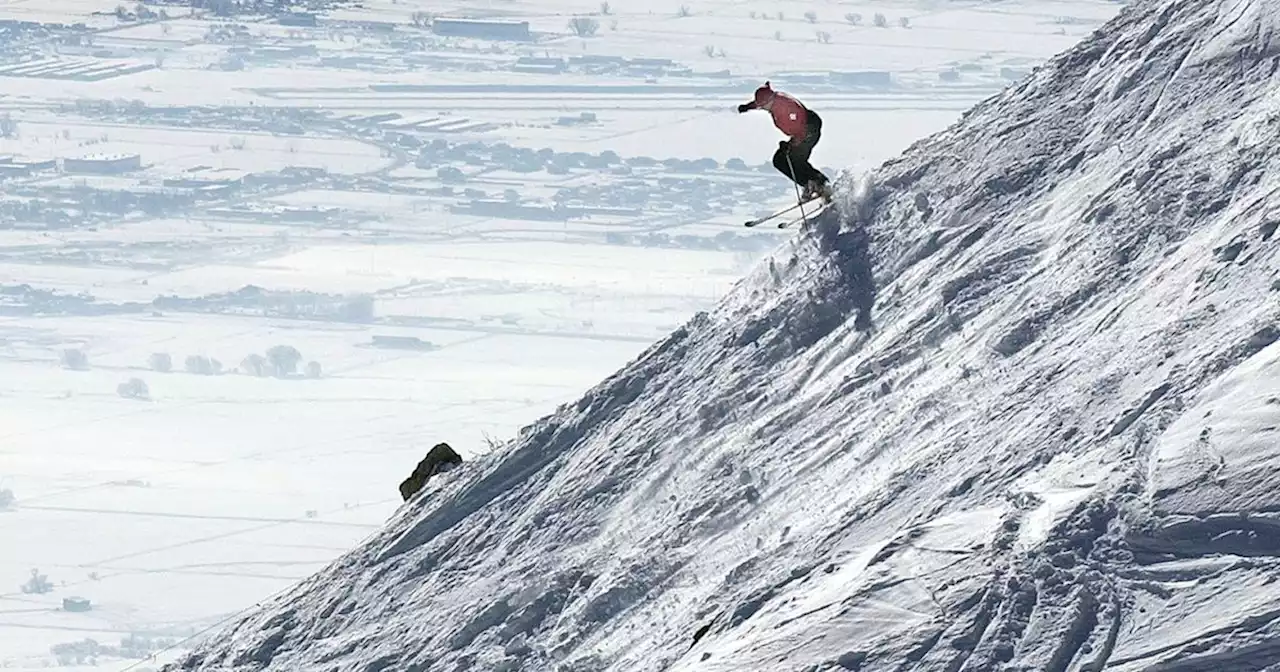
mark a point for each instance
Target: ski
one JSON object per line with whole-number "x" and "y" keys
{"x": 761, "y": 220}
{"x": 807, "y": 215}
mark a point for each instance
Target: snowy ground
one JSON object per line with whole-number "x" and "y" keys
{"x": 171, "y": 151}
{"x": 173, "y": 513}
{"x": 1012, "y": 406}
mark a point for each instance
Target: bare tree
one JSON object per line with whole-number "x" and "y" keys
{"x": 254, "y": 365}
{"x": 853, "y": 18}
{"x": 161, "y": 361}
{"x": 584, "y": 26}
{"x": 606, "y": 9}
{"x": 283, "y": 360}
{"x": 134, "y": 388}
{"x": 824, "y": 37}
{"x": 493, "y": 443}
{"x": 201, "y": 365}
{"x": 684, "y": 11}
{"x": 75, "y": 360}
{"x": 811, "y": 16}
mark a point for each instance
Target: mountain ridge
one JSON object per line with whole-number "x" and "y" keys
{"x": 958, "y": 423}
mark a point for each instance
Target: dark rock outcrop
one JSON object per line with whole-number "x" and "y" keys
{"x": 440, "y": 458}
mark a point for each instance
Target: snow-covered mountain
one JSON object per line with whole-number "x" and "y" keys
{"x": 1013, "y": 405}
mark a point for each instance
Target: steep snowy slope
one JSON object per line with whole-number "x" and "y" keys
{"x": 1015, "y": 405}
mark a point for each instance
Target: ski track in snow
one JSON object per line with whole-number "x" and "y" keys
{"x": 1014, "y": 404}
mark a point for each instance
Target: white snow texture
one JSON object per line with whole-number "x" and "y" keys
{"x": 1014, "y": 404}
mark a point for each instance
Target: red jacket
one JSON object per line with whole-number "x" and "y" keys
{"x": 789, "y": 115}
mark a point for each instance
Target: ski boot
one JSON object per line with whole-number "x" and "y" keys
{"x": 817, "y": 188}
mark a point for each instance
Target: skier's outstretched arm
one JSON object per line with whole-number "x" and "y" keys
{"x": 746, "y": 107}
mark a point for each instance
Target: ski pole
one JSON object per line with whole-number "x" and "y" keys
{"x": 799, "y": 199}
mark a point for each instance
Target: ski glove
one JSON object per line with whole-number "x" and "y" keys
{"x": 744, "y": 107}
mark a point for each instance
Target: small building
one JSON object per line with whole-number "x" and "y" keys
{"x": 402, "y": 343}
{"x": 310, "y": 213}
{"x": 582, "y": 118}
{"x": 483, "y": 29}
{"x": 592, "y": 59}
{"x": 651, "y": 62}
{"x": 205, "y": 187}
{"x": 204, "y": 176}
{"x": 200, "y": 182}
{"x": 540, "y": 64}
{"x": 103, "y": 164}
{"x": 78, "y": 604}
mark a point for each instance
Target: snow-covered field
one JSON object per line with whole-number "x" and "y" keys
{"x": 1011, "y": 406}
{"x": 178, "y": 511}
{"x": 172, "y": 151}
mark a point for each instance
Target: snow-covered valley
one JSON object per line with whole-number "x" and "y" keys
{"x": 1013, "y": 404}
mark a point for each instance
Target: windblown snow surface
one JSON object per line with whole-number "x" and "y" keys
{"x": 1013, "y": 405}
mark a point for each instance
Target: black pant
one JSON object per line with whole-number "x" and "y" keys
{"x": 798, "y": 153}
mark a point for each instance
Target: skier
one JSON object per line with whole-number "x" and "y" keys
{"x": 804, "y": 128}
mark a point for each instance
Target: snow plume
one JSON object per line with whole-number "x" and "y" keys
{"x": 1012, "y": 406}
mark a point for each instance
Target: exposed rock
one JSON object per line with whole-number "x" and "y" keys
{"x": 442, "y": 457}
